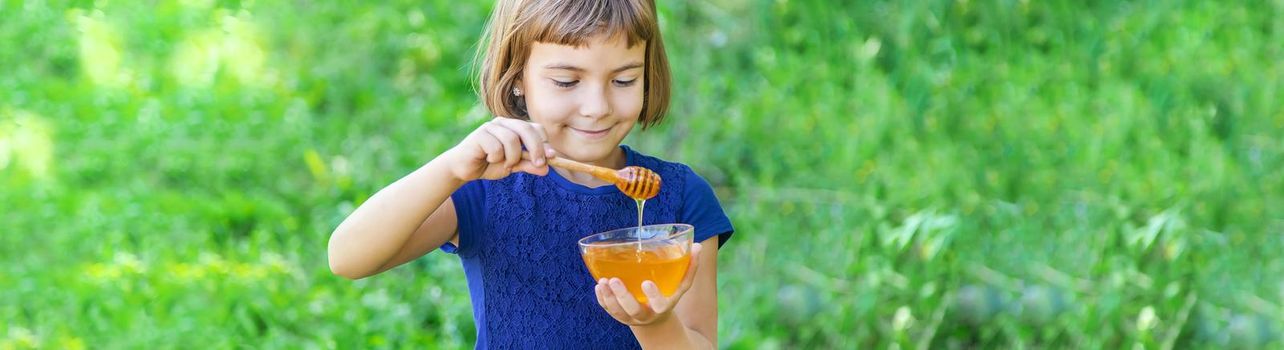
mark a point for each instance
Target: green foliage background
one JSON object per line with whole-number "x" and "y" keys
{"x": 927, "y": 174}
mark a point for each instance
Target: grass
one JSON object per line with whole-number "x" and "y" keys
{"x": 928, "y": 174}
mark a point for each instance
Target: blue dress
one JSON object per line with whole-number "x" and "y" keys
{"x": 518, "y": 245}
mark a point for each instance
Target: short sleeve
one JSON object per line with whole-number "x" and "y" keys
{"x": 701, "y": 209}
{"x": 469, "y": 202}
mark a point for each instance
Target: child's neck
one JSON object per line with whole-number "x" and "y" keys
{"x": 615, "y": 160}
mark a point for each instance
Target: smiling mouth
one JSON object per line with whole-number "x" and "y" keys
{"x": 592, "y": 133}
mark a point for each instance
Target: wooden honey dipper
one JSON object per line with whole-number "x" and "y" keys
{"x": 636, "y": 182}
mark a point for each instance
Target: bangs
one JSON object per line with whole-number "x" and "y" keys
{"x": 574, "y": 22}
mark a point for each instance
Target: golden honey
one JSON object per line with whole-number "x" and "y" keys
{"x": 663, "y": 264}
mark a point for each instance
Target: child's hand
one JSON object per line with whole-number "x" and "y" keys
{"x": 616, "y": 299}
{"x": 494, "y": 150}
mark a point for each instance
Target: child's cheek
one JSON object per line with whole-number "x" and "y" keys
{"x": 628, "y": 103}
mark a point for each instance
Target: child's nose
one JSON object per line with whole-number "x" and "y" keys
{"x": 595, "y": 103}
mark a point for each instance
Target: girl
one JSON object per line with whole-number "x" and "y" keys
{"x": 570, "y": 79}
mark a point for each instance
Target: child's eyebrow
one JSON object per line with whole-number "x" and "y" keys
{"x": 564, "y": 66}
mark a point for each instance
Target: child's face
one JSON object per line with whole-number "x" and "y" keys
{"x": 586, "y": 98}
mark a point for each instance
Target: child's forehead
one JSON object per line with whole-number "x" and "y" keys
{"x": 598, "y": 51}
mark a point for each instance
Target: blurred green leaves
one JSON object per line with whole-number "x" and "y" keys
{"x": 939, "y": 174}
{"x": 26, "y": 147}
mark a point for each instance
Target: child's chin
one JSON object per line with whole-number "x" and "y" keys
{"x": 589, "y": 152}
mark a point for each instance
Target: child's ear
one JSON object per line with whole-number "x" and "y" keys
{"x": 519, "y": 98}
{"x": 518, "y": 90}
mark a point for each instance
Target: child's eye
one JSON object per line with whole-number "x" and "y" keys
{"x": 564, "y": 84}
{"x": 625, "y": 83}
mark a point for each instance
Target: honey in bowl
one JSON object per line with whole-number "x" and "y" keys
{"x": 658, "y": 253}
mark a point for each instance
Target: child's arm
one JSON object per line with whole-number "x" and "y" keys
{"x": 697, "y": 311}
{"x": 414, "y": 215}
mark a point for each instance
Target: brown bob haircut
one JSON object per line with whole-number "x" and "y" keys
{"x": 517, "y": 24}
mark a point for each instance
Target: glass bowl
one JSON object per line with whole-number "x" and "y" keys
{"x": 658, "y": 253}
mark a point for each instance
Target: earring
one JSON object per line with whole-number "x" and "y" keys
{"x": 517, "y": 91}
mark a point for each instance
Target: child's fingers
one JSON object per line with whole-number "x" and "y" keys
{"x": 494, "y": 151}
{"x": 532, "y": 139}
{"x": 600, "y": 293}
{"x": 539, "y": 129}
{"x": 659, "y": 304}
{"x": 630, "y": 305}
{"x": 528, "y": 135}
{"x": 528, "y": 166}
{"x": 607, "y": 300}
{"x": 692, "y": 267}
{"x": 512, "y": 144}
